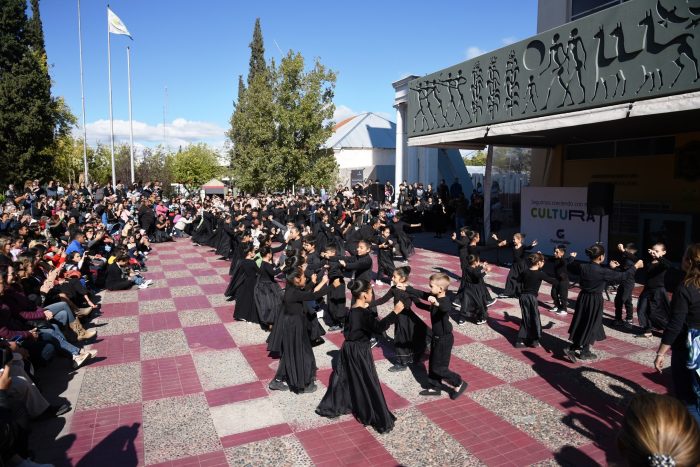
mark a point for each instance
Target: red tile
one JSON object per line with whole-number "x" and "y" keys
{"x": 225, "y": 313}
{"x": 124, "y": 348}
{"x": 258, "y": 359}
{"x": 233, "y": 394}
{"x": 191, "y": 303}
{"x": 153, "y": 293}
{"x": 209, "y": 337}
{"x": 255, "y": 435}
{"x": 213, "y": 289}
{"x": 181, "y": 281}
{"x": 115, "y": 310}
{"x": 169, "y": 377}
{"x": 158, "y": 321}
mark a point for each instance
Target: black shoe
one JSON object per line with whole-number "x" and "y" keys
{"x": 534, "y": 344}
{"x": 587, "y": 356}
{"x": 310, "y": 388}
{"x": 459, "y": 391}
{"x": 54, "y": 411}
{"x": 334, "y": 328}
{"x": 618, "y": 323}
{"x": 570, "y": 355}
{"x": 396, "y": 368}
{"x": 430, "y": 392}
{"x": 372, "y": 343}
{"x": 277, "y": 385}
{"x": 519, "y": 344}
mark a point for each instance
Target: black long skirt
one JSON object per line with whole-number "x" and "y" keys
{"x": 530, "y": 324}
{"x": 297, "y": 362}
{"x": 473, "y": 302}
{"x": 245, "y": 302}
{"x": 268, "y": 301}
{"x": 409, "y": 337}
{"x": 513, "y": 285}
{"x": 336, "y": 312}
{"x": 587, "y": 324}
{"x": 354, "y": 388}
{"x": 237, "y": 279}
{"x": 385, "y": 262}
{"x": 405, "y": 244}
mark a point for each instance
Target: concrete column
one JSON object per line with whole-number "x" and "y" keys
{"x": 400, "y": 148}
{"x": 487, "y": 193}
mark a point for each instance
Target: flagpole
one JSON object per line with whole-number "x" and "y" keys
{"x": 111, "y": 118}
{"x": 131, "y": 122}
{"x": 82, "y": 98}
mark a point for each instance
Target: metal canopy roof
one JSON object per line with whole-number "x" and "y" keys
{"x": 363, "y": 131}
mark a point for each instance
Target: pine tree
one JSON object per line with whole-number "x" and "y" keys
{"x": 28, "y": 114}
{"x": 241, "y": 88}
{"x": 257, "y": 53}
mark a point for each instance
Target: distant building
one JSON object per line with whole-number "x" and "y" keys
{"x": 365, "y": 148}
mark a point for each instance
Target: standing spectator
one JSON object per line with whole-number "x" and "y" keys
{"x": 456, "y": 189}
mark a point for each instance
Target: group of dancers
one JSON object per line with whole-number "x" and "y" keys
{"x": 324, "y": 255}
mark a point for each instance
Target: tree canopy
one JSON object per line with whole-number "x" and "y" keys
{"x": 280, "y": 122}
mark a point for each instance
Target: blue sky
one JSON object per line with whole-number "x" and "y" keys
{"x": 198, "y": 48}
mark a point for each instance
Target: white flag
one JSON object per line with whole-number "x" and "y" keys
{"x": 116, "y": 26}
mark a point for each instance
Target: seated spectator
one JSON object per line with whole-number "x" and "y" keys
{"x": 119, "y": 276}
{"x": 659, "y": 431}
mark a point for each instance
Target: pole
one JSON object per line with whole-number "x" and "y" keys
{"x": 111, "y": 116}
{"x": 487, "y": 193}
{"x": 82, "y": 98}
{"x": 131, "y": 122}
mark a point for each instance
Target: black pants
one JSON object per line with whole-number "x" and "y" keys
{"x": 438, "y": 365}
{"x": 560, "y": 294}
{"x": 624, "y": 298}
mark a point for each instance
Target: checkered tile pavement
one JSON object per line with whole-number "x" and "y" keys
{"x": 178, "y": 382}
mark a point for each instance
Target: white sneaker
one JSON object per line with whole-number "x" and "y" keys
{"x": 148, "y": 282}
{"x": 143, "y": 286}
{"x": 81, "y": 358}
{"x": 560, "y": 311}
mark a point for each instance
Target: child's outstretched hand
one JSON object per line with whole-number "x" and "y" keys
{"x": 432, "y": 300}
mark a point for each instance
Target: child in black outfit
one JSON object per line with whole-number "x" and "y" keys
{"x": 560, "y": 290}
{"x": 335, "y": 317}
{"x": 623, "y": 298}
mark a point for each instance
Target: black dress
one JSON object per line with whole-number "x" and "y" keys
{"x": 474, "y": 298}
{"x": 268, "y": 294}
{"x": 297, "y": 363}
{"x": 354, "y": 385}
{"x": 336, "y": 312}
{"x": 245, "y": 302}
{"x": 587, "y": 324}
{"x": 403, "y": 240}
{"x": 513, "y": 284}
{"x": 530, "y": 324}
{"x": 409, "y": 330}
{"x": 385, "y": 259}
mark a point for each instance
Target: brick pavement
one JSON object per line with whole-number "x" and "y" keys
{"x": 179, "y": 383}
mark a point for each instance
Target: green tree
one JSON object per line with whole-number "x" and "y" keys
{"x": 478, "y": 158}
{"x": 153, "y": 166}
{"x": 252, "y": 132}
{"x": 303, "y": 112}
{"x": 30, "y": 119}
{"x": 194, "y": 166}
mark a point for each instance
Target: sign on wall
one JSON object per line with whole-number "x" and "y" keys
{"x": 557, "y": 216}
{"x": 636, "y": 50}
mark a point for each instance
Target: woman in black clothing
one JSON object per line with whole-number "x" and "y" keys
{"x": 268, "y": 294}
{"x": 587, "y": 324}
{"x": 530, "y": 330}
{"x": 354, "y": 385}
{"x": 520, "y": 251}
{"x": 684, "y": 328}
{"x": 245, "y": 301}
{"x": 297, "y": 366}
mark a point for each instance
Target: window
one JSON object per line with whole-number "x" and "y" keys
{"x": 581, "y": 8}
{"x": 663, "y": 145}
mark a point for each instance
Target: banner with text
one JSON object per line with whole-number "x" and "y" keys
{"x": 557, "y": 216}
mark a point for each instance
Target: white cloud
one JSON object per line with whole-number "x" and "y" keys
{"x": 343, "y": 111}
{"x": 474, "y": 51}
{"x": 508, "y": 40}
{"x": 179, "y": 132}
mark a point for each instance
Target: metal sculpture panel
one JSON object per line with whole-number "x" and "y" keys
{"x": 637, "y": 50}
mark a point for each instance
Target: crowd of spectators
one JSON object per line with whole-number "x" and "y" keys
{"x": 60, "y": 245}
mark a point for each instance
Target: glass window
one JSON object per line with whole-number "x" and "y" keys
{"x": 581, "y": 8}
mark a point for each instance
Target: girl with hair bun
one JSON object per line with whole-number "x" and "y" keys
{"x": 658, "y": 431}
{"x": 587, "y": 324}
{"x": 409, "y": 330}
{"x": 354, "y": 384}
{"x": 682, "y": 334}
{"x": 474, "y": 297}
{"x": 297, "y": 365}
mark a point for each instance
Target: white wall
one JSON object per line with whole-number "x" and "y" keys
{"x": 359, "y": 158}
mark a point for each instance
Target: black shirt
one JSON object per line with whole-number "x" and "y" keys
{"x": 362, "y": 325}
{"x": 656, "y": 273}
{"x": 685, "y": 313}
{"x": 532, "y": 280}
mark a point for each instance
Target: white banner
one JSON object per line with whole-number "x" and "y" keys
{"x": 557, "y": 216}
